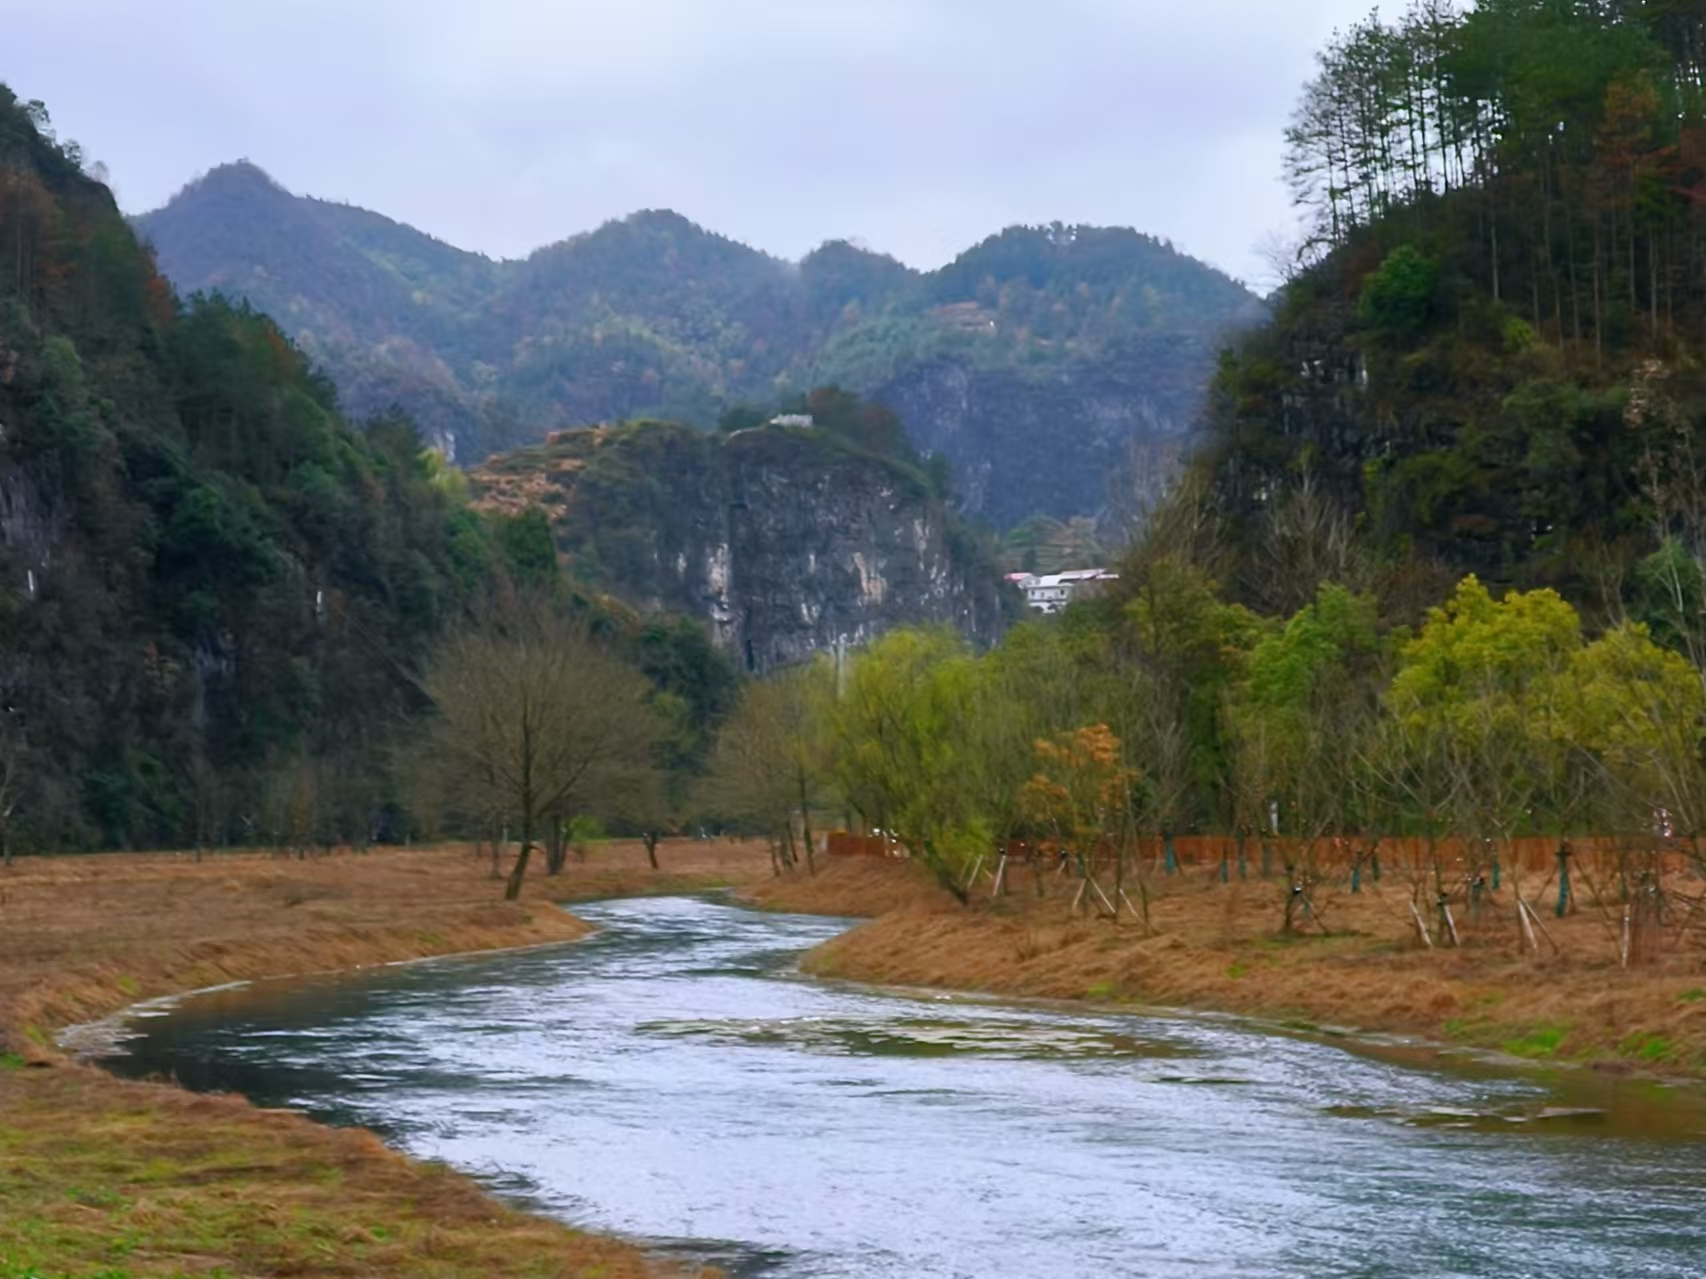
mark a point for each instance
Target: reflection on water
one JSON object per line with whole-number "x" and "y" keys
{"x": 667, "y": 1079}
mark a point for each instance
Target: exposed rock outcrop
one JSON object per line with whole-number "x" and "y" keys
{"x": 784, "y": 540}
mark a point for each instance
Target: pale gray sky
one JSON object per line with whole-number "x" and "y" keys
{"x": 914, "y": 126}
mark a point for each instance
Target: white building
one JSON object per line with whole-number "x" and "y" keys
{"x": 1052, "y": 592}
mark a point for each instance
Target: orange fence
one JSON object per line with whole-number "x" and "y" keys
{"x": 842, "y": 844}
{"x": 1529, "y": 853}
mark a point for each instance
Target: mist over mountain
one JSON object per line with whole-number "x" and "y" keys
{"x": 1038, "y": 362}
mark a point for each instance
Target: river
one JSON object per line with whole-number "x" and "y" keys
{"x": 673, "y": 1080}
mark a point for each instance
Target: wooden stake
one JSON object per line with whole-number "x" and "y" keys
{"x": 1082, "y": 885}
{"x": 1534, "y": 918}
{"x": 1000, "y": 877}
{"x": 1623, "y": 945}
{"x": 1527, "y": 928}
{"x": 1421, "y": 926}
{"x": 1104, "y": 898}
{"x": 1450, "y": 923}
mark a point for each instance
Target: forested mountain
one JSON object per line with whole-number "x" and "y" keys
{"x": 1032, "y": 362}
{"x": 218, "y": 596}
{"x": 1490, "y": 358}
{"x": 1440, "y": 571}
{"x": 211, "y": 589}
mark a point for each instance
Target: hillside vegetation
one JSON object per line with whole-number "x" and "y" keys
{"x": 1489, "y": 358}
{"x": 1423, "y": 622}
{"x": 653, "y": 316}
{"x": 217, "y": 596}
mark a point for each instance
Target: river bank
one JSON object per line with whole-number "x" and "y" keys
{"x": 669, "y": 1081}
{"x": 103, "y": 1176}
{"x": 125, "y": 1180}
{"x": 1218, "y": 947}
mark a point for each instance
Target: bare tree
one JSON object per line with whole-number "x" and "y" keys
{"x": 772, "y": 765}
{"x": 1307, "y": 539}
{"x": 533, "y": 719}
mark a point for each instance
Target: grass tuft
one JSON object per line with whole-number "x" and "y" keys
{"x": 1540, "y": 1042}
{"x": 1647, "y": 1047}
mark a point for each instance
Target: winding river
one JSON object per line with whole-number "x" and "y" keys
{"x": 672, "y": 1080}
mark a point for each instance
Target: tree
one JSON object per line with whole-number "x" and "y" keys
{"x": 1641, "y": 710}
{"x": 1081, "y": 792}
{"x": 1479, "y": 700}
{"x": 1397, "y": 299}
{"x": 1301, "y": 716}
{"x": 901, "y": 753}
{"x": 14, "y": 765}
{"x": 532, "y": 720}
{"x": 1170, "y": 656}
{"x": 771, "y": 762}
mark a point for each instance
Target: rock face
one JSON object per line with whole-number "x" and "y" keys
{"x": 784, "y": 540}
{"x": 1061, "y": 443}
{"x": 28, "y": 532}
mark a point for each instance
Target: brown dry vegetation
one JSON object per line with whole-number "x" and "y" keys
{"x": 1219, "y": 947}
{"x": 104, "y": 1176}
{"x": 100, "y": 1176}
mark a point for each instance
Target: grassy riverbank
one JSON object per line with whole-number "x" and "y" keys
{"x": 102, "y": 1178}
{"x": 1218, "y": 947}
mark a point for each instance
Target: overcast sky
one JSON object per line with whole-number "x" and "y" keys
{"x": 916, "y": 127}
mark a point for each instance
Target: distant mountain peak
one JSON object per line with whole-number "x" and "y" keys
{"x": 243, "y": 176}
{"x": 663, "y": 219}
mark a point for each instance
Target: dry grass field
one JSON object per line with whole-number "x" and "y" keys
{"x": 102, "y": 1178}
{"x": 106, "y": 1179}
{"x": 1219, "y": 946}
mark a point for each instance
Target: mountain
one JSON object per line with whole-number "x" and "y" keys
{"x": 1494, "y": 365}
{"x": 371, "y": 300}
{"x": 1034, "y": 362}
{"x": 213, "y": 590}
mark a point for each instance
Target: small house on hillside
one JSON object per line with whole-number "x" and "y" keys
{"x": 1052, "y": 592}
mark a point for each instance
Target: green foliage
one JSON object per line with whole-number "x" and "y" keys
{"x": 1476, "y": 653}
{"x": 1540, "y": 1042}
{"x": 1398, "y": 299}
{"x": 1289, "y": 669}
{"x": 901, "y": 756}
{"x": 528, "y": 548}
{"x": 653, "y": 317}
{"x": 232, "y": 587}
{"x": 1647, "y": 1047}
{"x": 586, "y": 829}
{"x": 1172, "y": 710}
{"x": 1512, "y": 196}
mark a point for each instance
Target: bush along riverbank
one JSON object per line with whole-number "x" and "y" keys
{"x": 1213, "y": 946}
{"x": 124, "y": 1180}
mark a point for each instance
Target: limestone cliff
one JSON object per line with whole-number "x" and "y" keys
{"x": 782, "y": 539}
